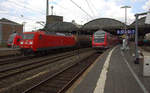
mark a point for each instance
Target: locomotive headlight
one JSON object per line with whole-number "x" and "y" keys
{"x": 21, "y": 42}
{"x": 30, "y": 42}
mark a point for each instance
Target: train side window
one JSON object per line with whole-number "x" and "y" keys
{"x": 40, "y": 37}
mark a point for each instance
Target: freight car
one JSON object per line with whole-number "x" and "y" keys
{"x": 102, "y": 40}
{"x": 14, "y": 40}
{"x": 83, "y": 40}
{"x": 42, "y": 41}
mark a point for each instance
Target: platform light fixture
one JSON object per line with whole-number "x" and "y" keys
{"x": 126, "y": 7}
{"x": 125, "y": 27}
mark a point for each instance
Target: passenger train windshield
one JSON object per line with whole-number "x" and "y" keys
{"x": 28, "y": 36}
{"x": 98, "y": 40}
{"x": 11, "y": 37}
{"x": 100, "y": 32}
{"x": 99, "y": 36}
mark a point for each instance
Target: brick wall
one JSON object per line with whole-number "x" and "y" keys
{"x": 52, "y": 18}
{"x": 8, "y": 29}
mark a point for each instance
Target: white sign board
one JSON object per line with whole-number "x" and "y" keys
{"x": 146, "y": 68}
{"x": 125, "y": 31}
{"x": 147, "y": 20}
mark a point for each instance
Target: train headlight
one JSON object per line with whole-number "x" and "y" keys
{"x": 30, "y": 42}
{"x": 21, "y": 42}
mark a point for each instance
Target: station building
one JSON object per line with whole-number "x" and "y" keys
{"x": 8, "y": 27}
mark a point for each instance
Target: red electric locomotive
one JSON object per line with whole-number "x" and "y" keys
{"x": 103, "y": 40}
{"x": 14, "y": 40}
{"x": 42, "y": 41}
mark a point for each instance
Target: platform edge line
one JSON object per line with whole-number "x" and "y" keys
{"x": 134, "y": 75}
{"x": 101, "y": 82}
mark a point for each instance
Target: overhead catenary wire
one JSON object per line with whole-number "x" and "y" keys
{"x": 16, "y": 17}
{"x": 63, "y": 8}
{"x": 26, "y": 7}
{"x": 81, "y": 9}
{"x": 93, "y": 5}
{"x": 19, "y": 5}
{"x": 90, "y": 7}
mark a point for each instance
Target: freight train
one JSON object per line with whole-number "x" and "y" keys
{"x": 42, "y": 41}
{"x": 102, "y": 40}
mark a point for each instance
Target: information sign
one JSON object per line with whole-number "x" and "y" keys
{"x": 125, "y": 32}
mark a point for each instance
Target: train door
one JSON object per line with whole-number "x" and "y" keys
{"x": 41, "y": 41}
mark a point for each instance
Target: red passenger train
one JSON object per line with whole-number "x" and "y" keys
{"x": 103, "y": 40}
{"x": 42, "y": 41}
{"x": 14, "y": 40}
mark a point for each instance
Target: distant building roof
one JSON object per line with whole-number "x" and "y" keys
{"x": 142, "y": 27}
{"x": 141, "y": 23}
{"x": 107, "y": 24}
{"x": 103, "y": 23}
{"x": 6, "y": 21}
{"x": 62, "y": 27}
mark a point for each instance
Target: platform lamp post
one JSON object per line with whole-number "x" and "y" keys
{"x": 125, "y": 27}
{"x": 125, "y": 7}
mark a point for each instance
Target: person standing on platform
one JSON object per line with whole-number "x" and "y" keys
{"x": 123, "y": 44}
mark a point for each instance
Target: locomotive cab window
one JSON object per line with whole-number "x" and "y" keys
{"x": 11, "y": 37}
{"x": 28, "y": 36}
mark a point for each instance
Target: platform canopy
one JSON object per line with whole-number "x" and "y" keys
{"x": 107, "y": 24}
{"x": 143, "y": 28}
{"x": 62, "y": 27}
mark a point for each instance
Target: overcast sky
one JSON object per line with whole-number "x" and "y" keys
{"x": 31, "y": 11}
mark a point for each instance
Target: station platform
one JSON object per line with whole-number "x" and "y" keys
{"x": 113, "y": 72}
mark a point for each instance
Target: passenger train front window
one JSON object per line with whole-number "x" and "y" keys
{"x": 11, "y": 37}
{"x": 98, "y": 40}
{"x": 28, "y": 36}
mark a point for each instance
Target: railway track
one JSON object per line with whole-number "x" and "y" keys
{"x": 9, "y": 59}
{"x": 21, "y": 77}
{"x": 62, "y": 80}
{"x": 15, "y": 59}
{"x": 13, "y": 69}
{"x": 7, "y": 56}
